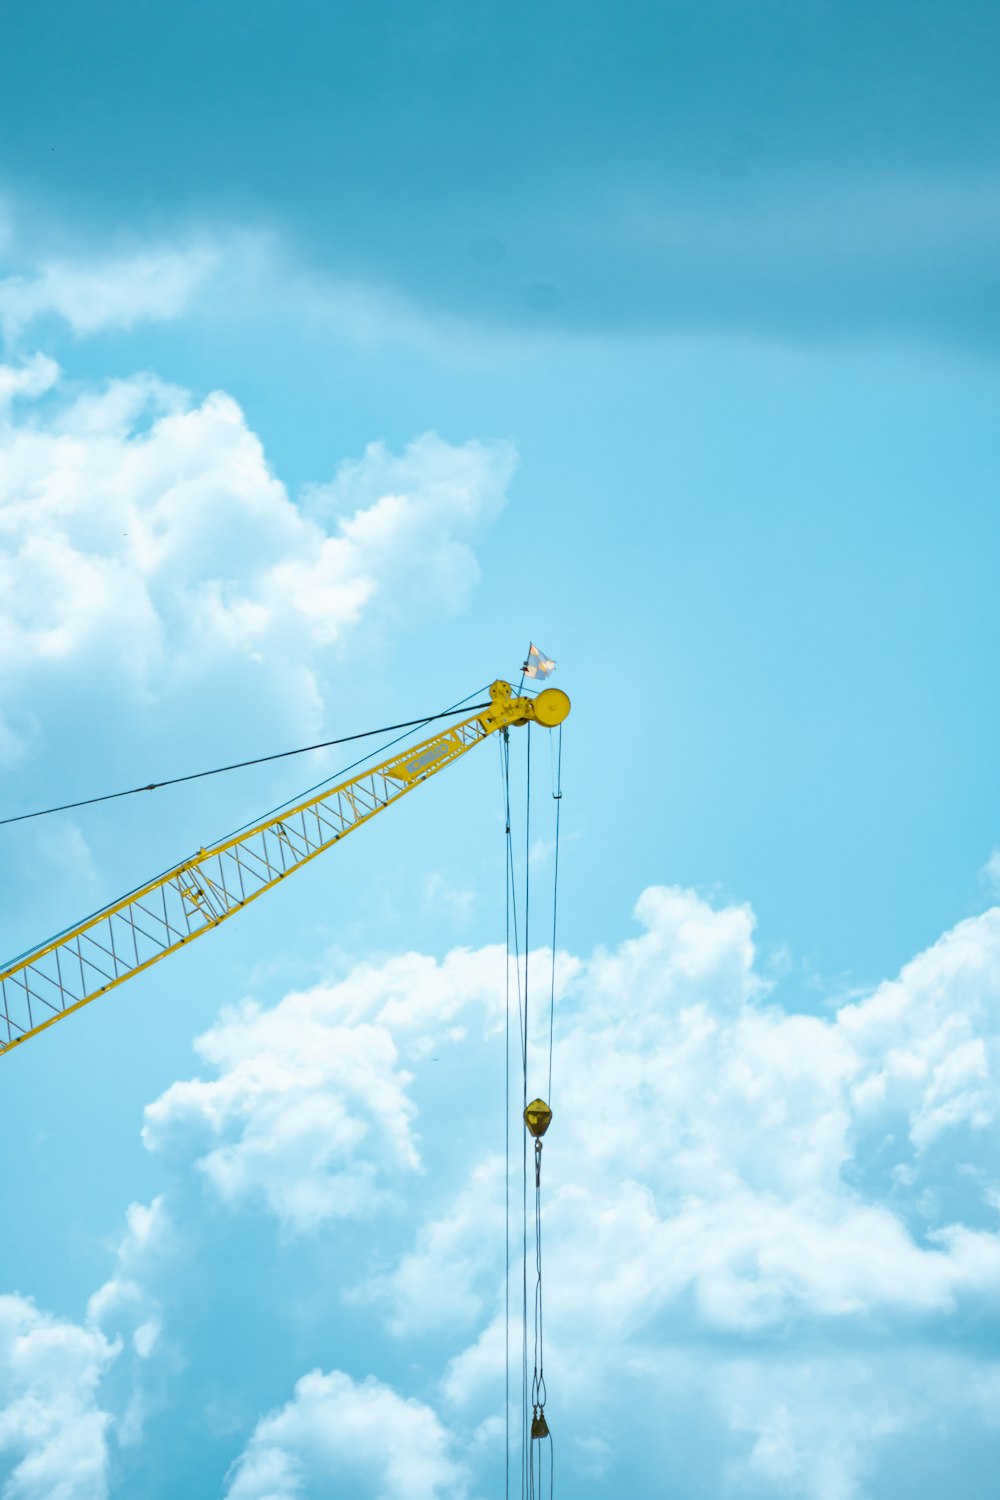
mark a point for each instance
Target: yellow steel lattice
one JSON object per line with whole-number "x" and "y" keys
{"x": 63, "y": 974}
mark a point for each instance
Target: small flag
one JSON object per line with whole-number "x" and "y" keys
{"x": 538, "y": 664}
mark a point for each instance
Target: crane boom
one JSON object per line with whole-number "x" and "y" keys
{"x": 65, "y": 973}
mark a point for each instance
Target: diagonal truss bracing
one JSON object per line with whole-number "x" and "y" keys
{"x": 62, "y": 975}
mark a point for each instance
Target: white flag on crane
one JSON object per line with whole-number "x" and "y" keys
{"x": 538, "y": 664}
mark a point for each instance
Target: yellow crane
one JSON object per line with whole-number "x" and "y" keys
{"x": 68, "y": 971}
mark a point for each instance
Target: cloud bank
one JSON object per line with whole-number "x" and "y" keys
{"x": 720, "y": 1169}
{"x": 144, "y": 535}
{"x": 362, "y": 1436}
{"x": 310, "y": 1113}
{"x": 750, "y": 1221}
{"x": 52, "y": 1427}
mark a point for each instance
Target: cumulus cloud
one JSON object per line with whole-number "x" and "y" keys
{"x": 711, "y": 1145}
{"x": 145, "y": 533}
{"x": 752, "y": 1206}
{"x": 720, "y": 1167}
{"x": 134, "y": 508}
{"x": 71, "y": 1390}
{"x": 337, "y": 1433}
{"x": 310, "y": 1112}
{"x": 52, "y": 1425}
{"x": 707, "y": 1137}
{"x": 929, "y": 1040}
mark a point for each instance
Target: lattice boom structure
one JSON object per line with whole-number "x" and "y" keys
{"x": 62, "y": 975}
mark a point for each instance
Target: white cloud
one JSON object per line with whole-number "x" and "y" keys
{"x": 418, "y": 1297}
{"x": 52, "y": 1425}
{"x": 31, "y": 379}
{"x": 231, "y": 272}
{"x": 709, "y": 1144}
{"x": 310, "y": 1112}
{"x": 300, "y": 1128}
{"x": 929, "y": 1039}
{"x": 145, "y": 535}
{"x": 991, "y": 872}
{"x": 752, "y": 1208}
{"x": 68, "y": 1390}
{"x": 718, "y": 1168}
{"x": 125, "y": 1303}
{"x": 817, "y": 1428}
{"x": 407, "y": 519}
{"x": 117, "y": 291}
{"x": 336, "y": 1435}
{"x": 128, "y": 1307}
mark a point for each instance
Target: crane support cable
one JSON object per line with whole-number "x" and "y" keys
{"x": 512, "y": 949}
{"x": 524, "y": 1104}
{"x": 123, "y": 939}
{"x": 537, "y": 1119}
{"x": 537, "y": 1449}
{"x": 557, "y": 799}
{"x": 238, "y": 765}
{"x": 504, "y": 752}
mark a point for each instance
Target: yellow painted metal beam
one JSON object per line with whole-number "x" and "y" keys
{"x": 67, "y": 972}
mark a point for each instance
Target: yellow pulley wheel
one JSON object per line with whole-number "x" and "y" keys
{"x": 551, "y": 707}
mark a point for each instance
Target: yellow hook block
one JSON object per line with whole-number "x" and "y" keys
{"x": 538, "y": 1117}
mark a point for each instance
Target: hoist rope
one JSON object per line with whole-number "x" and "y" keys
{"x": 504, "y": 741}
{"x": 510, "y": 904}
{"x": 524, "y": 1102}
{"x": 535, "y": 1433}
{"x": 239, "y": 765}
{"x": 557, "y": 798}
{"x": 512, "y": 927}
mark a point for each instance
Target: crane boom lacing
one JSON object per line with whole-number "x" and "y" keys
{"x": 67, "y": 972}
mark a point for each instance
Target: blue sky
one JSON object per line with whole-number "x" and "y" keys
{"x": 673, "y": 329}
